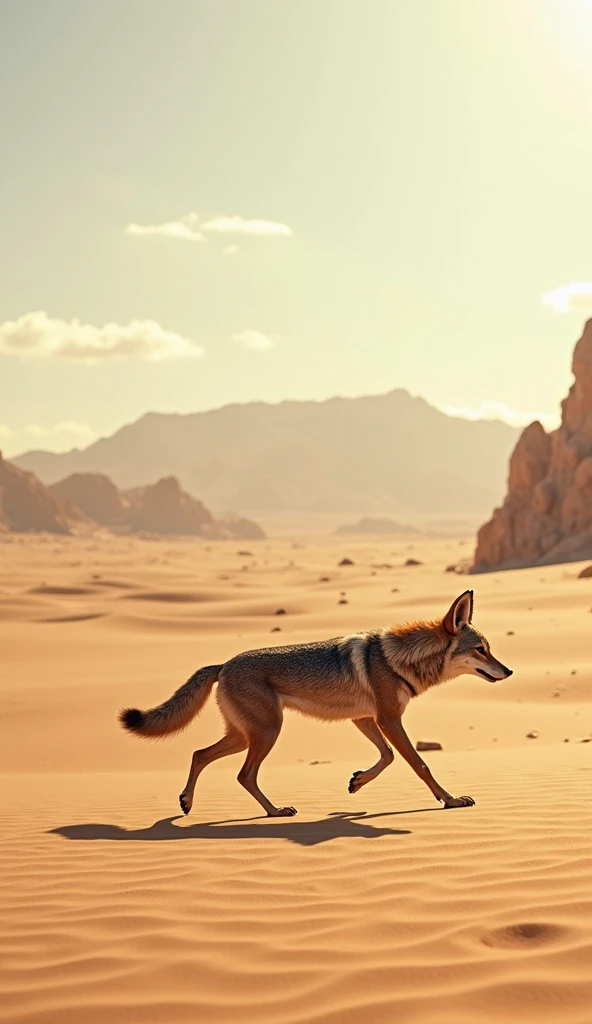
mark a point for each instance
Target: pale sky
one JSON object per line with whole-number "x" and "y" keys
{"x": 229, "y": 200}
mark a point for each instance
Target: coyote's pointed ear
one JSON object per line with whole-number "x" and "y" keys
{"x": 459, "y": 614}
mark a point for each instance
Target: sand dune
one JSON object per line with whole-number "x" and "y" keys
{"x": 116, "y": 909}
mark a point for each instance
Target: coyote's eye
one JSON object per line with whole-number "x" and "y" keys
{"x": 481, "y": 650}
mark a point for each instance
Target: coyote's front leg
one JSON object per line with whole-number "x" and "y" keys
{"x": 393, "y": 729}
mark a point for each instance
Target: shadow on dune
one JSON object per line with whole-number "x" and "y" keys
{"x": 304, "y": 833}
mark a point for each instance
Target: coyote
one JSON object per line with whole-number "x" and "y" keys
{"x": 367, "y": 677}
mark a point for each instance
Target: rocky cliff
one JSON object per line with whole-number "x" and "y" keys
{"x": 26, "y": 504}
{"x": 547, "y": 514}
{"x": 84, "y": 500}
{"x": 95, "y": 494}
{"x": 164, "y": 507}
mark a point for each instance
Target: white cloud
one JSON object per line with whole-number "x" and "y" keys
{"x": 185, "y": 228}
{"x": 239, "y": 226}
{"x": 255, "y": 340}
{"x": 63, "y": 436}
{"x": 569, "y": 297}
{"x": 189, "y": 228}
{"x": 38, "y": 336}
{"x": 5, "y": 430}
{"x": 499, "y": 411}
{"x": 173, "y": 229}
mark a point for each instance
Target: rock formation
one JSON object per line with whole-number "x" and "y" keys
{"x": 164, "y": 507}
{"x": 27, "y": 505}
{"x": 88, "y": 499}
{"x": 241, "y": 528}
{"x": 547, "y": 514}
{"x": 95, "y": 494}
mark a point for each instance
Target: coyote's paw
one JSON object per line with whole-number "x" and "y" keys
{"x": 356, "y": 782}
{"x": 458, "y": 801}
{"x": 282, "y": 812}
{"x": 185, "y": 803}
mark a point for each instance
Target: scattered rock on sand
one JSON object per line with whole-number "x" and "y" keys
{"x": 412, "y": 561}
{"x": 428, "y": 745}
{"x": 280, "y": 611}
{"x": 245, "y": 554}
{"x": 324, "y": 579}
{"x": 532, "y": 735}
{"x": 510, "y": 632}
{"x": 585, "y": 573}
{"x": 346, "y": 561}
{"x": 276, "y": 629}
{"x": 342, "y": 600}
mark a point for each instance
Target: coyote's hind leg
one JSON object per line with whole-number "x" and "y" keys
{"x": 232, "y": 743}
{"x": 261, "y": 740}
{"x": 370, "y": 729}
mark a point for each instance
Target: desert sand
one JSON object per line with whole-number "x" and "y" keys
{"x": 377, "y": 907}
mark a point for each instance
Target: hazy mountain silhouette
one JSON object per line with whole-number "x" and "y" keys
{"x": 27, "y": 505}
{"x": 372, "y": 454}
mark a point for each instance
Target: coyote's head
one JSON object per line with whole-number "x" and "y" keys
{"x": 469, "y": 652}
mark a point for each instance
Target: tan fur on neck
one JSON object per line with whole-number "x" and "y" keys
{"x": 417, "y": 651}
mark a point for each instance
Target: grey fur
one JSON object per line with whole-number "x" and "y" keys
{"x": 468, "y": 639}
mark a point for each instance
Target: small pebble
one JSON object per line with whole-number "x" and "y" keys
{"x": 428, "y": 745}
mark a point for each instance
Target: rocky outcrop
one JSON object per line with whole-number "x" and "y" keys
{"x": 164, "y": 507}
{"x": 88, "y": 499}
{"x": 241, "y": 528}
{"x": 547, "y": 514}
{"x": 95, "y": 494}
{"x": 27, "y": 505}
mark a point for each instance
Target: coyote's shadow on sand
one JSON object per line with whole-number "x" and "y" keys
{"x": 337, "y": 825}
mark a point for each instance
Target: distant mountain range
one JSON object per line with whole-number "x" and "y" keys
{"x": 83, "y": 501}
{"x": 376, "y": 454}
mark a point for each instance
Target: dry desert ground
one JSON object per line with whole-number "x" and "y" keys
{"x": 378, "y": 907}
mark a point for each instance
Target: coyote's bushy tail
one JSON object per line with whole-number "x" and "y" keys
{"x": 173, "y": 714}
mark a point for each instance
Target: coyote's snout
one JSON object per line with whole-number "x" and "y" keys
{"x": 367, "y": 677}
